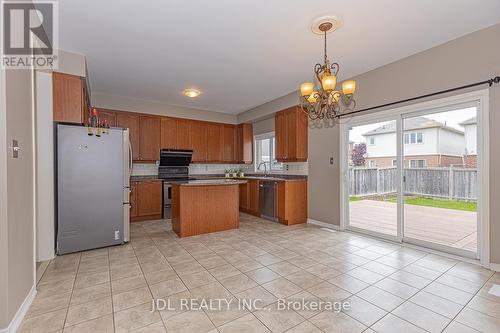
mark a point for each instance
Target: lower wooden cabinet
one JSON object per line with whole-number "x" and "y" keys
{"x": 147, "y": 200}
{"x": 291, "y": 202}
{"x": 244, "y": 204}
{"x": 249, "y": 197}
{"x": 253, "y": 194}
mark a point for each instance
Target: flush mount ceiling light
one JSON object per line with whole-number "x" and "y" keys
{"x": 320, "y": 99}
{"x": 191, "y": 93}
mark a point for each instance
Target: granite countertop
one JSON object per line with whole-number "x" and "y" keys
{"x": 204, "y": 177}
{"x": 209, "y": 182}
{"x": 272, "y": 177}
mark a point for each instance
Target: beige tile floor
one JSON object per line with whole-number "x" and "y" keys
{"x": 389, "y": 288}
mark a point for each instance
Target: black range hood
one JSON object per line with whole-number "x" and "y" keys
{"x": 175, "y": 157}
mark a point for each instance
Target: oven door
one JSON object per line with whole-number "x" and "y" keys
{"x": 167, "y": 200}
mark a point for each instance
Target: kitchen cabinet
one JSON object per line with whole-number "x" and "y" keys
{"x": 168, "y": 133}
{"x": 106, "y": 115}
{"x": 210, "y": 142}
{"x": 149, "y": 138}
{"x": 184, "y": 134}
{"x": 244, "y": 143}
{"x": 133, "y": 200}
{"x": 291, "y": 135}
{"x": 130, "y": 121}
{"x": 69, "y": 102}
{"x": 291, "y": 202}
{"x": 253, "y": 197}
{"x": 198, "y": 133}
{"x": 149, "y": 200}
{"x": 229, "y": 139}
{"x": 214, "y": 142}
{"x": 244, "y": 197}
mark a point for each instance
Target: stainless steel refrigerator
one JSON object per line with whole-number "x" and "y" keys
{"x": 93, "y": 188}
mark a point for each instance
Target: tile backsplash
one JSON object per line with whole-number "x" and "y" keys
{"x": 143, "y": 169}
{"x": 296, "y": 168}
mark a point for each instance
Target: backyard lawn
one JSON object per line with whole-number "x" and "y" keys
{"x": 429, "y": 202}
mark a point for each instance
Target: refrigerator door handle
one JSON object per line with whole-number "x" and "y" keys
{"x": 130, "y": 159}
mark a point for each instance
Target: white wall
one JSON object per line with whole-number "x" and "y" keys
{"x": 45, "y": 167}
{"x": 71, "y": 63}
{"x": 451, "y": 143}
{"x": 17, "y": 239}
{"x": 471, "y": 139}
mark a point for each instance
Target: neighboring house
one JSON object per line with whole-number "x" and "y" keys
{"x": 470, "y": 128}
{"x": 427, "y": 143}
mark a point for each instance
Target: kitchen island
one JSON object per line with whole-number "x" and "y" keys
{"x": 204, "y": 206}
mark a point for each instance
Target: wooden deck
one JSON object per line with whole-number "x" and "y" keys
{"x": 449, "y": 227}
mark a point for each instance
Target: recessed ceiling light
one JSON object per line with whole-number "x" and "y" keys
{"x": 191, "y": 93}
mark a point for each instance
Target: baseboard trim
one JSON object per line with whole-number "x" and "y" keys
{"x": 21, "y": 312}
{"x": 495, "y": 267}
{"x": 323, "y": 224}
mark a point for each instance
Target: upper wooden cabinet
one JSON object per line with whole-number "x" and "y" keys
{"x": 69, "y": 102}
{"x": 107, "y": 115}
{"x": 199, "y": 134}
{"x": 214, "y": 142}
{"x": 210, "y": 142}
{"x": 229, "y": 140}
{"x": 184, "y": 134}
{"x": 168, "y": 133}
{"x": 244, "y": 143}
{"x": 149, "y": 138}
{"x": 291, "y": 135}
{"x": 130, "y": 121}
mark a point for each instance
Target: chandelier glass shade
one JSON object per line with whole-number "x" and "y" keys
{"x": 320, "y": 99}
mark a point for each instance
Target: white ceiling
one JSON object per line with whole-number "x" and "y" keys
{"x": 242, "y": 53}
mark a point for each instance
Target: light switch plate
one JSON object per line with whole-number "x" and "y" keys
{"x": 15, "y": 149}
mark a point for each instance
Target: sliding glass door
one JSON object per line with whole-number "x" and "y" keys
{"x": 440, "y": 179}
{"x": 414, "y": 177}
{"x": 372, "y": 172}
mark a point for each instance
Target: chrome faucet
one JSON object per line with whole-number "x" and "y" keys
{"x": 265, "y": 167}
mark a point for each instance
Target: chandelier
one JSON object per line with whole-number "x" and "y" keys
{"x": 321, "y": 99}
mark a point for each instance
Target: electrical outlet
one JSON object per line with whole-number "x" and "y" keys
{"x": 117, "y": 234}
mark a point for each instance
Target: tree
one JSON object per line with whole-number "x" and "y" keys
{"x": 358, "y": 154}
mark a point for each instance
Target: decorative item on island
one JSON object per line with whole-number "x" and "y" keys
{"x": 321, "y": 99}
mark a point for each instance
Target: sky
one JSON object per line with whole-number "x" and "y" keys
{"x": 451, "y": 118}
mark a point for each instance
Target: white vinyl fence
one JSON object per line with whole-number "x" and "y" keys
{"x": 450, "y": 183}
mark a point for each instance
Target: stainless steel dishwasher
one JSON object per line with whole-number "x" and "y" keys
{"x": 267, "y": 197}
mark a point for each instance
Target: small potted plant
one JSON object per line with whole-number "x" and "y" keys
{"x": 226, "y": 173}
{"x": 241, "y": 174}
